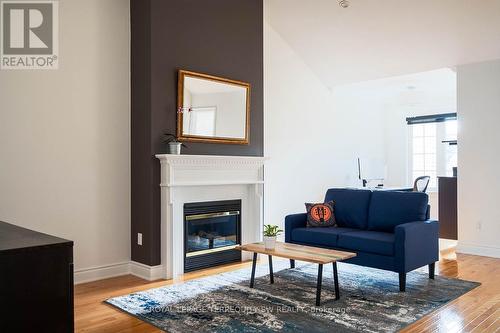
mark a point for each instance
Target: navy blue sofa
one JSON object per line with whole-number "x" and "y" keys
{"x": 387, "y": 229}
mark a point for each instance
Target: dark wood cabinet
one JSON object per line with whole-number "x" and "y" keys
{"x": 447, "y": 202}
{"x": 36, "y": 281}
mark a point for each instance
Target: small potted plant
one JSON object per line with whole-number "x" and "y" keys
{"x": 270, "y": 234}
{"x": 174, "y": 144}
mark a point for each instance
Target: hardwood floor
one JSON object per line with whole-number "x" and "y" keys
{"x": 476, "y": 311}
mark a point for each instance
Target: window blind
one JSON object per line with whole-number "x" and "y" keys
{"x": 434, "y": 118}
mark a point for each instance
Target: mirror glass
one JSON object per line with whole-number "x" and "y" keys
{"x": 212, "y": 109}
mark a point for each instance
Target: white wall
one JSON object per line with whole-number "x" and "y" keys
{"x": 478, "y": 160}
{"x": 311, "y": 141}
{"x": 65, "y": 136}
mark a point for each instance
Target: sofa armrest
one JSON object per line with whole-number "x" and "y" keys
{"x": 416, "y": 244}
{"x": 294, "y": 221}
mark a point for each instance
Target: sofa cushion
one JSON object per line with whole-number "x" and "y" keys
{"x": 351, "y": 206}
{"x": 320, "y": 214}
{"x": 319, "y": 236}
{"x": 391, "y": 208}
{"x": 368, "y": 241}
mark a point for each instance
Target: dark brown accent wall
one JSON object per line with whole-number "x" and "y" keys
{"x": 218, "y": 37}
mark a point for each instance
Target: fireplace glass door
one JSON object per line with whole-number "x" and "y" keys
{"x": 211, "y": 232}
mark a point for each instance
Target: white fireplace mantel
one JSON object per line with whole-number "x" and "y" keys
{"x": 198, "y": 178}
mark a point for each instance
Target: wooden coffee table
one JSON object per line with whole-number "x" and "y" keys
{"x": 294, "y": 252}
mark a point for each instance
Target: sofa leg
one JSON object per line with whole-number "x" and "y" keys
{"x": 292, "y": 263}
{"x": 431, "y": 270}
{"x": 402, "y": 282}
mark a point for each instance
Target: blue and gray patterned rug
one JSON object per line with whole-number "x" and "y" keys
{"x": 370, "y": 301}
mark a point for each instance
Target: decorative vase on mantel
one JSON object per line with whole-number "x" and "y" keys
{"x": 174, "y": 145}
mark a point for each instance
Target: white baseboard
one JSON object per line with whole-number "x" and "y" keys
{"x": 145, "y": 272}
{"x": 101, "y": 272}
{"x": 479, "y": 250}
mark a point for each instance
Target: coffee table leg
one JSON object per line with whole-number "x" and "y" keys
{"x": 336, "y": 281}
{"x": 318, "y": 288}
{"x": 252, "y": 278}
{"x": 271, "y": 276}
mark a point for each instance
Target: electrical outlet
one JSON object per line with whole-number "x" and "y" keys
{"x": 139, "y": 238}
{"x": 479, "y": 225}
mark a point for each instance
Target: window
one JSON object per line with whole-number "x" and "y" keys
{"x": 429, "y": 155}
{"x": 424, "y": 159}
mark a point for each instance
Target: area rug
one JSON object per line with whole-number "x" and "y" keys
{"x": 370, "y": 301}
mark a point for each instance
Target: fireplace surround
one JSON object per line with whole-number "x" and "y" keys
{"x": 189, "y": 179}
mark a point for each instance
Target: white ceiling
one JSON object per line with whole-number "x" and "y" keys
{"x": 380, "y": 38}
{"x": 440, "y": 82}
{"x": 426, "y": 92}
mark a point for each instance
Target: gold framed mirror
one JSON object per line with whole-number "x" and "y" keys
{"x": 212, "y": 109}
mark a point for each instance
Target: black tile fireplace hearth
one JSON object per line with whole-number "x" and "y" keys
{"x": 211, "y": 232}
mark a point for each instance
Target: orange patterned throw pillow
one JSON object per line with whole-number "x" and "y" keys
{"x": 321, "y": 214}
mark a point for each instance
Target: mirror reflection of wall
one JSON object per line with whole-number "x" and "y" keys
{"x": 201, "y": 120}
{"x": 214, "y": 109}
